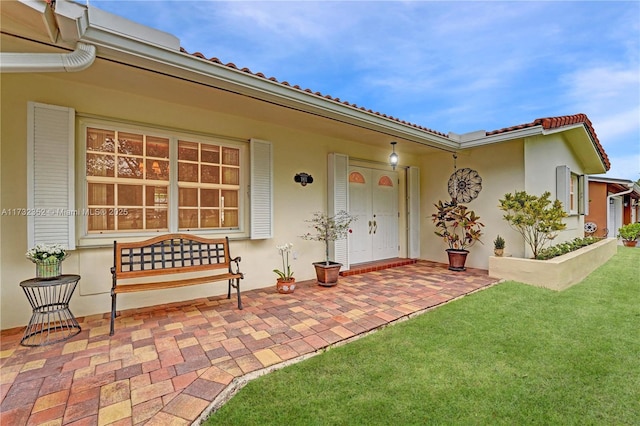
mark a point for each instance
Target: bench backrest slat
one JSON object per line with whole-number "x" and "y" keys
{"x": 169, "y": 254}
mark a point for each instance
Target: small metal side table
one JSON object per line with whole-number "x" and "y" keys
{"x": 51, "y": 321}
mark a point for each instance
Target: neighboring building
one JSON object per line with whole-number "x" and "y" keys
{"x": 110, "y": 130}
{"x": 612, "y": 203}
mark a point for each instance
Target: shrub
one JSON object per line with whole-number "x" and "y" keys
{"x": 566, "y": 247}
{"x": 537, "y": 219}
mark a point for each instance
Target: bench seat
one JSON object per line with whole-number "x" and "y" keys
{"x": 168, "y": 254}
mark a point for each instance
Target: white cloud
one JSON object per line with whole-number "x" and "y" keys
{"x": 625, "y": 167}
{"x": 456, "y": 66}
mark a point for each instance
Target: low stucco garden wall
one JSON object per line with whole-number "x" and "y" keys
{"x": 558, "y": 273}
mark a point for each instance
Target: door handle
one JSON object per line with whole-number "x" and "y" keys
{"x": 375, "y": 226}
{"x": 370, "y": 227}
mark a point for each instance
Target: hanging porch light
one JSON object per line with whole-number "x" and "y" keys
{"x": 393, "y": 158}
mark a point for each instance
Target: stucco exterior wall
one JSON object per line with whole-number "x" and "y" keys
{"x": 542, "y": 155}
{"x": 501, "y": 168}
{"x": 293, "y": 151}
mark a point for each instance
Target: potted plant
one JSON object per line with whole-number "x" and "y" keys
{"x": 629, "y": 234}
{"x": 498, "y": 246}
{"x": 460, "y": 228}
{"x": 328, "y": 229}
{"x": 48, "y": 259}
{"x": 286, "y": 283}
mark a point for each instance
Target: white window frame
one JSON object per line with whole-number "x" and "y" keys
{"x": 574, "y": 190}
{"x": 92, "y": 239}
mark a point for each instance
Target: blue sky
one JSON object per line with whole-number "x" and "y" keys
{"x": 449, "y": 66}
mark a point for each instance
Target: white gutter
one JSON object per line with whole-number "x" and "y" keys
{"x": 610, "y": 197}
{"x": 78, "y": 60}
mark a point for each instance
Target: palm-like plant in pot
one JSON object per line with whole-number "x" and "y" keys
{"x": 460, "y": 228}
{"x": 327, "y": 229}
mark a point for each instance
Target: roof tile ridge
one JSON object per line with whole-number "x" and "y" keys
{"x": 319, "y": 94}
{"x": 548, "y": 123}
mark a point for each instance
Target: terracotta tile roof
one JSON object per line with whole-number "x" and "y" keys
{"x": 337, "y": 100}
{"x": 546, "y": 123}
{"x": 557, "y": 122}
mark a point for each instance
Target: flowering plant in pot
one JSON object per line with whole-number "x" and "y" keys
{"x": 47, "y": 258}
{"x": 286, "y": 283}
{"x": 460, "y": 228}
{"x": 328, "y": 229}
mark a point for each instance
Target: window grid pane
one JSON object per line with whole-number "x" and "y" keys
{"x": 202, "y": 168}
{"x": 128, "y": 183}
{"x": 119, "y": 198}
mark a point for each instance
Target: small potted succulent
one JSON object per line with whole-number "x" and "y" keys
{"x": 460, "y": 228}
{"x": 328, "y": 229}
{"x": 498, "y": 246}
{"x": 286, "y": 283}
{"x": 629, "y": 234}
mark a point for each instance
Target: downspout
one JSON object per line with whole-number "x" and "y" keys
{"x": 78, "y": 60}
{"x": 609, "y": 197}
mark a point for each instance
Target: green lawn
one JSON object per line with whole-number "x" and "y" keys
{"x": 512, "y": 354}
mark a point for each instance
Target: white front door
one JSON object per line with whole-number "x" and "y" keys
{"x": 373, "y": 199}
{"x": 615, "y": 217}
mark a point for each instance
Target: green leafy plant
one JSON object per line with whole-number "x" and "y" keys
{"x": 498, "y": 243}
{"x": 329, "y": 228}
{"x": 566, "y": 247}
{"x": 629, "y": 232}
{"x": 458, "y": 226}
{"x": 537, "y": 219}
{"x": 286, "y": 273}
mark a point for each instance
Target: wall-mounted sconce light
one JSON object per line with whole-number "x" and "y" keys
{"x": 303, "y": 178}
{"x": 393, "y": 158}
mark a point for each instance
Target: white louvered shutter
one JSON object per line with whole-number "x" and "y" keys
{"x": 414, "y": 212}
{"x": 50, "y": 175}
{"x": 261, "y": 189}
{"x": 563, "y": 182}
{"x": 338, "y": 190}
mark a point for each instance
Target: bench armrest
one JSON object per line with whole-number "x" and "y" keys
{"x": 235, "y": 260}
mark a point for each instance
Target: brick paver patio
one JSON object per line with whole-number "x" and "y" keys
{"x": 173, "y": 364}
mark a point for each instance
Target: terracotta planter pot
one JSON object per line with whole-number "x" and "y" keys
{"x": 285, "y": 286}
{"x": 327, "y": 275}
{"x": 629, "y": 243}
{"x": 457, "y": 259}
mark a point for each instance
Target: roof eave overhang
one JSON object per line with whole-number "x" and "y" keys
{"x": 503, "y": 137}
{"x": 119, "y": 48}
{"x": 575, "y": 135}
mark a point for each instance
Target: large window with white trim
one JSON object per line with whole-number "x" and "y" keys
{"x": 133, "y": 180}
{"x": 141, "y": 180}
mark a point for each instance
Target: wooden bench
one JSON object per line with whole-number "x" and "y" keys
{"x": 172, "y": 254}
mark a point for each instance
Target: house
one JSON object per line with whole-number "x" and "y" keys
{"x": 612, "y": 203}
{"x": 111, "y": 131}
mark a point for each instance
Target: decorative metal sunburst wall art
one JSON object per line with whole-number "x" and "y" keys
{"x": 464, "y": 185}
